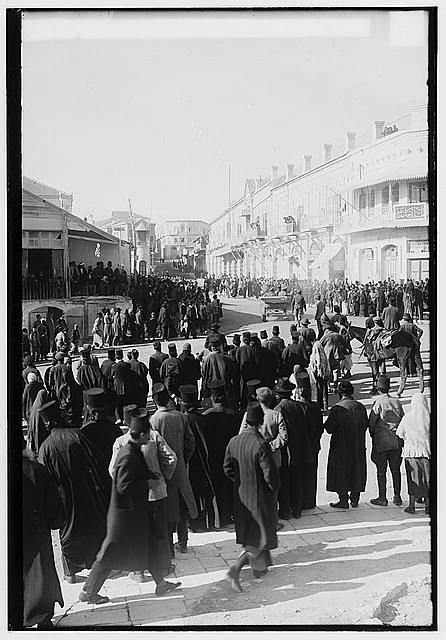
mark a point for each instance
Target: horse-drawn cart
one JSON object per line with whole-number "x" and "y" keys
{"x": 276, "y": 304}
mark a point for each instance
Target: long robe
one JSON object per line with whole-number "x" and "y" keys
{"x": 37, "y": 432}
{"x": 346, "y": 466}
{"x": 200, "y": 475}
{"x": 29, "y": 395}
{"x": 250, "y": 465}
{"x": 298, "y": 458}
{"x": 42, "y": 511}
{"x": 84, "y": 486}
{"x": 67, "y": 392}
{"x": 126, "y": 545}
{"x": 220, "y": 424}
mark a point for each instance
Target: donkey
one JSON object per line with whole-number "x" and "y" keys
{"x": 400, "y": 348}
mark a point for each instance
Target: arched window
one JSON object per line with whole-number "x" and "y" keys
{"x": 142, "y": 268}
{"x": 385, "y": 195}
{"x": 395, "y": 192}
{"x": 390, "y": 261}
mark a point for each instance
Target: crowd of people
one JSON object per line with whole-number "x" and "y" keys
{"x": 233, "y": 440}
{"x": 353, "y": 298}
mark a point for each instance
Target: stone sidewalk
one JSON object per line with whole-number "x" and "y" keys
{"x": 320, "y": 559}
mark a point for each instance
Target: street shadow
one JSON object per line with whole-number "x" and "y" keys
{"x": 298, "y": 572}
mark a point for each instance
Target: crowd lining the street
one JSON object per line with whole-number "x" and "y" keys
{"x": 234, "y": 439}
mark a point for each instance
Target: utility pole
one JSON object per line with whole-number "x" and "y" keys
{"x": 132, "y": 222}
{"x": 229, "y": 185}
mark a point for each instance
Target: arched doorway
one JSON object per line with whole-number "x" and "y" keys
{"x": 366, "y": 265}
{"x": 142, "y": 268}
{"x": 390, "y": 261}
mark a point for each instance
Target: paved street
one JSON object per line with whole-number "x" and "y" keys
{"x": 331, "y": 567}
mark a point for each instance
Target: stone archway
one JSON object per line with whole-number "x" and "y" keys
{"x": 389, "y": 262}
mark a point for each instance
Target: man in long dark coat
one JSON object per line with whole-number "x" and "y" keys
{"x": 294, "y": 353}
{"x": 315, "y": 426}
{"x": 107, "y": 373}
{"x": 42, "y": 511}
{"x": 243, "y": 357}
{"x": 346, "y": 467}
{"x": 250, "y": 466}
{"x": 219, "y": 426}
{"x": 66, "y": 391}
{"x": 199, "y": 467}
{"x": 219, "y": 366}
{"x": 84, "y": 486}
{"x": 124, "y": 394}
{"x": 126, "y": 545}
{"x": 297, "y": 457}
{"x": 141, "y": 371}
{"x": 99, "y": 430}
{"x": 155, "y": 362}
{"x": 89, "y": 375}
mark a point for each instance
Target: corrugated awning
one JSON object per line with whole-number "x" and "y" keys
{"x": 411, "y": 168}
{"x": 327, "y": 254}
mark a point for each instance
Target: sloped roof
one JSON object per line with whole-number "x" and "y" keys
{"x": 34, "y": 208}
{"x": 47, "y": 192}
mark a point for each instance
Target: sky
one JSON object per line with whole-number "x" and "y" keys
{"x": 155, "y": 107}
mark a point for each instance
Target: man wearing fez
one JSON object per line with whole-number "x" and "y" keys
{"x": 89, "y": 375}
{"x": 159, "y": 458}
{"x": 214, "y": 332}
{"x": 220, "y": 424}
{"x": 126, "y": 545}
{"x": 99, "y": 429}
{"x": 84, "y": 487}
{"x": 346, "y": 467}
{"x": 249, "y": 464}
{"x": 199, "y": 467}
{"x": 173, "y": 426}
{"x": 191, "y": 366}
{"x": 315, "y": 429}
{"x": 297, "y": 456}
{"x": 107, "y": 373}
{"x": 294, "y": 353}
{"x": 155, "y": 362}
{"x": 219, "y": 366}
{"x": 243, "y": 357}
{"x": 232, "y": 350}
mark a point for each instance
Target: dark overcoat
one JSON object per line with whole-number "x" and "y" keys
{"x": 346, "y": 467}
{"x": 249, "y": 464}
{"x": 219, "y": 426}
{"x": 126, "y": 545}
{"x": 84, "y": 486}
{"x": 42, "y": 511}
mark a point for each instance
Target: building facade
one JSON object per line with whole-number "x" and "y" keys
{"x": 51, "y": 239}
{"x": 176, "y": 238}
{"x": 139, "y": 232}
{"x": 360, "y": 211}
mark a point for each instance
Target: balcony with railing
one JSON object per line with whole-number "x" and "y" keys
{"x": 284, "y": 229}
{"x": 411, "y": 214}
{"x": 254, "y": 232}
{"x": 44, "y": 289}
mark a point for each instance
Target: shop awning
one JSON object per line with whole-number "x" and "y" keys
{"x": 327, "y": 254}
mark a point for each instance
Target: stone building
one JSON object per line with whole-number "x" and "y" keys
{"x": 358, "y": 210}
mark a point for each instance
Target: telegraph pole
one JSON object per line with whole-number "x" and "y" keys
{"x": 132, "y": 222}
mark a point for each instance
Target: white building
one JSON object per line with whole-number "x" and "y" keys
{"x": 359, "y": 212}
{"x": 176, "y": 237}
{"x": 139, "y": 232}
